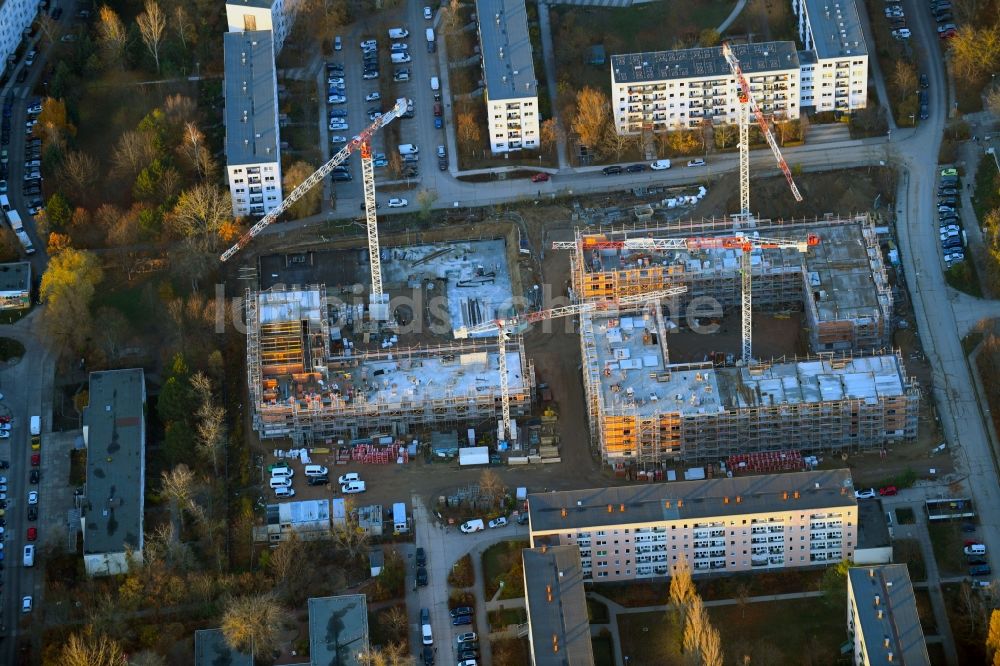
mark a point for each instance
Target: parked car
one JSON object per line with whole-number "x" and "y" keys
{"x": 353, "y": 488}
{"x": 467, "y": 637}
{"x": 498, "y": 522}
{"x": 427, "y": 14}
{"x": 888, "y": 491}
{"x": 373, "y": 96}
{"x": 865, "y": 494}
{"x": 540, "y": 177}
{"x": 33, "y": 497}
{"x": 422, "y": 576}
{"x": 612, "y": 170}
{"x": 635, "y": 168}
{"x": 460, "y": 621}
{"x": 34, "y": 477}
{"x": 397, "y": 203}
{"x": 460, "y": 611}
{"x": 474, "y": 525}
{"x": 659, "y": 165}
{"x": 421, "y": 557}
{"x": 32, "y": 534}
{"x": 348, "y": 478}
{"x": 696, "y": 163}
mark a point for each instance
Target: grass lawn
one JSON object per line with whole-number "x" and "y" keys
{"x": 461, "y": 574}
{"x": 137, "y": 302}
{"x": 964, "y": 277}
{"x": 769, "y": 632}
{"x": 502, "y": 563}
{"x": 12, "y": 316}
{"x": 948, "y": 543}
{"x": 597, "y": 612}
{"x": 907, "y": 551}
{"x": 604, "y": 650}
{"x": 970, "y": 638}
{"x": 986, "y": 195}
{"x": 10, "y": 348}
{"x": 499, "y": 619}
{"x": 925, "y": 611}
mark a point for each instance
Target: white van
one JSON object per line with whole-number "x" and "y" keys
{"x": 398, "y": 33}
{"x": 280, "y": 482}
{"x": 36, "y": 425}
{"x": 284, "y": 492}
{"x": 399, "y": 58}
{"x": 282, "y": 471}
{"x": 408, "y": 149}
{"x": 426, "y": 634}
{"x": 475, "y": 525}
{"x": 29, "y": 555}
{"x": 4, "y": 203}
{"x": 316, "y": 470}
{"x": 975, "y": 549}
{"x": 435, "y": 84}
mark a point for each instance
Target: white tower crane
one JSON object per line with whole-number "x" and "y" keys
{"x": 316, "y": 178}
{"x": 504, "y": 327}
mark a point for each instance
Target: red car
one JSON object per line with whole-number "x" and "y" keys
{"x": 32, "y": 533}
{"x": 36, "y": 459}
{"x": 887, "y": 491}
{"x": 948, "y": 34}
{"x": 540, "y": 177}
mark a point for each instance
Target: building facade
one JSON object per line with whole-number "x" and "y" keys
{"x": 15, "y": 16}
{"x": 882, "y": 617}
{"x": 835, "y": 56}
{"x": 684, "y": 89}
{"x": 253, "y": 160}
{"x": 15, "y": 286}
{"x": 753, "y": 523}
{"x": 508, "y": 69}
{"x": 114, "y": 432}
{"x": 278, "y": 16}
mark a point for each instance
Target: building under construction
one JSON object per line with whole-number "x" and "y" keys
{"x": 643, "y": 409}
{"x": 318, "y": 369}
{"x": 840, "y": 283}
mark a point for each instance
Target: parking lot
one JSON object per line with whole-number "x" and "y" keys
{"x": 350, "y": 97}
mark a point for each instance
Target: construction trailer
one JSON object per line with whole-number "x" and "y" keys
{"x": 840, "y": 283}
{"x": 299, "y": 390}
{"x": 643, "y": 409}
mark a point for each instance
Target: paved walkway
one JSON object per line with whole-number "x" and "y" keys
{"x": 733, "y": 15}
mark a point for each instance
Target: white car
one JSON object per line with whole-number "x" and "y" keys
{"x": 4, "y": 434}
{"x": 26, "y": 604}
{"x": 373, "y": 96}
{"x": 348, "y": 478}
{"x": 397, "y": 203}
{"x": 335, "y": 80}
{"x": 696, "y": 163}
{"x": 336, "y": 138}
{"x": 353, "y": 487}
{"x": 902, "y": 33}
{"x": 369, "y": 44}
{"x": 865, "y": 494}
{"x": 660, "y": 165}
{"x": 5, "y": 426}
{"x": 498, "y": 522}
{"x": 337, "y": 127}
{"x": 33, "y": 497}
{"x": 336, "y": 99}
{"x": 427, "y": 13}
{"x": 316, "y": 470}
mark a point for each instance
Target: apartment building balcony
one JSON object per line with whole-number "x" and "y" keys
{"x": 759, "y": 561}
{"x": 251, "y": 170}
{"x": 257, "y": 210}
{"x": 582, "y": 542}
{"x": 650, "y": 559}
{"x": 773, "y": 550}
{"x": 585, "y": 554}
{"x": 253, "y": 180}
{"x": 256, "y": 200}
{"x": 776, "y": 539}
{"x": 758, "y": 530}
{"x": 721, "y": 564}
{"x": 652, "y": 549}
{"x": 775, "y": 561}
{"x": 760, "y": 539}
{"x": 701, "y": 534}
{"x": 774, "y": 529}
{"x": 256, "y": 190}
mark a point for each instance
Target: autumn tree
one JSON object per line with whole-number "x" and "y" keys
{"x": 178, "y": 485}
{"x": 393, "y": 654}
{"x": 183, "y": 25}
{"x": 993, "y": 101}
{"x": 725, "y": 135}
{"x": 88, "y": 649}
{"x": 309, "y": 203}
{"x": 251, "y": 623}
{"x": 53, "y": 123}
{"x": 993, "y": 638}
{"x": 79, "y": 175}
{"x": 975, "y": 51}
{"x": 194, "y": 150}
{"x": 548, "y": 133}
{"x": 350, "y": 539}
{"x": 467, "y": 130}
{"x": 426, "y": 199}
{"x": 709, "y": 37}
{"x": 616, "y": 144}
{"x": 682, "y": 591}
{"x": 68, "y": 286}
{"x": 592, "y": 114}
{"x": 112, "y": 36}
{"x": 152, "y": 24}
{"x": 197, "y": 218}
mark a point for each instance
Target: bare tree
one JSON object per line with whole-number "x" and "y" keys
{"x": 112, "y": 35}
{"x": 199, "y": 214}
{"x": 616, "y": 144}
{"x": 152, "y": 23}
{"x": 49, "y": 27}
{"x": 742, "y": 598}
{"x": 194, "y": 150}
{"x": 211, "y": 431}
{"x": 182, "y": 24}
{"x": 350, "y": 538}
{"x": 491, "y": 486}
{"x": 251, "y": 623}
{"x": 147, "y": 658}
{"x": 87, "y": 649}
{"x": 79, "y": 174}
{"x": 178, "y": 485}
{"x": 395, "y": 620}
{"x": 131, "y": 154}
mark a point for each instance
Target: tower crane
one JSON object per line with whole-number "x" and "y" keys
{"x": 361, "y": 142}
{"x": 504, "y": 328}
{"x": 738, "y": 241}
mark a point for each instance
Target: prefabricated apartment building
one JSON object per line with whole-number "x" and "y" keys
{"x": 644, "y": 409}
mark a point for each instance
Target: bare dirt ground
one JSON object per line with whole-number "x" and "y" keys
{"x": 773, "y": 337}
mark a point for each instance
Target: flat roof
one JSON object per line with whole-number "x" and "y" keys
{"x": 508, "y": 67}
{"x": 338, "y": 630}
{"x": 292, "y": 305}
{"x": 900, "y": 622}
{"x": 15, "y": 278}
{"x": 115, "y": 421}
{"x": 211, "y": 649}
{"x": 251, "y": 93}
{"x": 845, "y": 271}
{"x": 683, "y": 500}
{"x": 836, "y": 28}
{"x": 873, "y": 531}
{"x": 634, "y": 374}
{"x": 702, "y": 62}
{"x": 557, "y": 606}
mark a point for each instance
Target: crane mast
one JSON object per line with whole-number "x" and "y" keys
{"x": 364, "y": 137}
{"x": 503, "y": 327}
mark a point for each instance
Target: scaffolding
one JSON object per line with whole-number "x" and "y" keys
{"x": 299, "y": 390}
{"x": 841, "y": 283}
{"x": 643, "y": 409}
